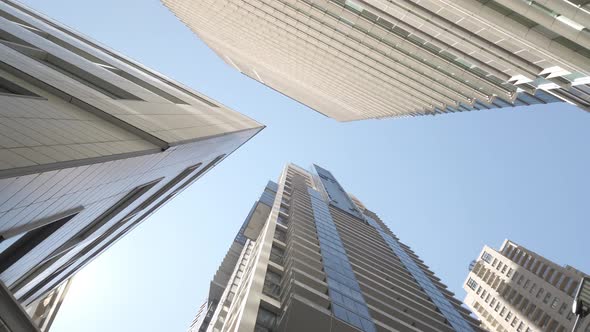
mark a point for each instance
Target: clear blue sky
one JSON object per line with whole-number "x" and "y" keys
{"x": 446, "y": 185}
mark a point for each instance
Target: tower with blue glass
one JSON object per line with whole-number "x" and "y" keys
{"x": 313, "y": 258}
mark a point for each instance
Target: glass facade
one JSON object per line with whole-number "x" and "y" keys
{"x": 348, "y": 303}
{"x": 338, "y": 197}
{"x": 268, "y": 196}
{"x": 445, "y": 306}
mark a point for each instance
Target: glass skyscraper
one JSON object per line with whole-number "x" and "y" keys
{"x": 91, "y": 144}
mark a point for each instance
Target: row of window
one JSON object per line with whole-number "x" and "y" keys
{"x": 538, "y": 292}
{"x": 504, "y": 312}
{"x": 526, "y": 307}
{"x": 542, "y": 269}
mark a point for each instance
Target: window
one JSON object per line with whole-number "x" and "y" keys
{"x": 533, "y": 288}
{"x": 526, "y": 284}
{"x": 515, "y": 276}
{"x": 495, "y": 262}
{"x": 282, "y": 220}
{"x": 478, "y": 290}
{"x": 517, "y": 299}
{"x": 31, "y": 239}
{"x": 511, "y": 295}
{"x": 544, "y": 321}
{"x": 280, "y": 234}
{"x": 537, "y": 314}
{"x": 272, "y": 284}
{"x": 520, "y": 327}
{"x": 531, "y": 311}
{"x": 547, "y": 297}
{"x": 497, "y": 307}
{"x": 508, "y": 316}
{"x": 499, "y": 266}
{"x": 471, "y": 284}
{"x": 548, "y": 273}
{"x": 503, "y": 312}
{"x": 540, "y": 292}
{"x": 520, "y": 280}
{"x": 284, "y": 209}
{"x": 9, "y": 88}
{"x": 265, "y": 321}
{"x": 486, "y": 257}
{"x": 504, "y": 269}
{"x": 276, "y": 255}
{"x": 555, "y": 303}
{"x": 514, "y": 322}
{"x": 509, "y": 274}
{"x": 562, "y": 308}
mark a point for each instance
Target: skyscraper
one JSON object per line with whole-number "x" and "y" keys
{"x": 361, "y": 59}
{"x": 91, "y": 143}
{"x": 515, "y": 289}
{"x": 311, "y": 257}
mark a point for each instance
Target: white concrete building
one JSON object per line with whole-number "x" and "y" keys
{"x": 516, "y": 290}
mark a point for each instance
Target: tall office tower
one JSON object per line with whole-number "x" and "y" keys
{"x": 91, "y": 143}
{"x": 361, "y": 59}
{"x": 310, "y": 257}
{"x": 515, "y": 289}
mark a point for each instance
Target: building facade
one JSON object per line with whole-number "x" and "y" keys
{"x": 515, "y": 289}
{"x": 361, "y": 59}
{"x": 311, "y": 257}
{"x": 91, "y": 143}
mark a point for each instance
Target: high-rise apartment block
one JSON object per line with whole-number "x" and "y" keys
{"x": 361, "y": 59}
{"x": 311, "y": 257}
{"x": 91, "y": 143}
{"x": 516, "y": 290}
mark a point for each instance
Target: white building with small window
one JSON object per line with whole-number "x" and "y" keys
{"x": 515, "y": 289}
{"x": 91, "y": 143}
